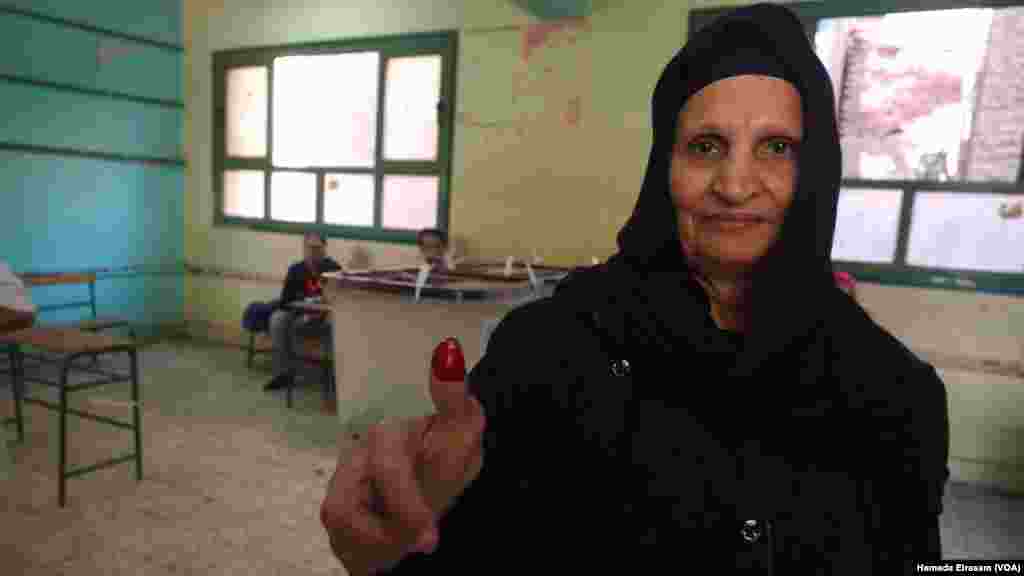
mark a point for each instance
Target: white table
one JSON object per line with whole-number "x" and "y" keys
{"x": 383, "y": 340}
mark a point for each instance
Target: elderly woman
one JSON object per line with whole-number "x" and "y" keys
{"x": 708, "y": 395}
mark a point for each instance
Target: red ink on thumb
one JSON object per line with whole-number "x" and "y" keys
{"x": 448, "y": 363}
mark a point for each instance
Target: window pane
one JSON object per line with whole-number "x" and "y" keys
{"x": 867, "y": 225}
{"x": 293, "y": 196}
{"x": 967, "y": 232}
{"x": 412, "y": 93}
{"x": 928, "y": 96}
{"x": 410, "y": 202}
{"x": 348, "y": 199}
{"x": 325, "y": 109}
{"x": 243, "y": 193}
{"x": 246, "y": 112}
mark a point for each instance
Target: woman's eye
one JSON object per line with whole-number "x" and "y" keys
{"x": 780, "y": 148}
{"x": 703, "y": 148}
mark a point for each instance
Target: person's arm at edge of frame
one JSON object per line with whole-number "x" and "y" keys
{"x": 909, "y": 530}
{"x": 497, "y": 384}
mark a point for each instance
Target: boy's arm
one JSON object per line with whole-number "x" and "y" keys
{"x": 292, "y": 289}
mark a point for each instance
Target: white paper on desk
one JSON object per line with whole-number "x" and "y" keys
{"x": 421, "y": 278}
{"x": 533, "y": 277}
{"x": 12, "y": 291}
{"x": 534, "y": 283}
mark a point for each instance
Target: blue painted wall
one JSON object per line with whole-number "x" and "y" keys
{"x": 556, "y": 9}
{"x": 64, "y": 212}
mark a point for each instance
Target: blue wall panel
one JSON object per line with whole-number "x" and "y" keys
{"x": 154, "y": 19}
{"x": 78, "y": 213}
{"x": 45, "y": 51}
{"x": 51, "y": 52}
{"x": 45, "y": 117}
{"x": 75, "y": 213}
{"x": 142, "y": 71}
{"x": 65, "y": 212}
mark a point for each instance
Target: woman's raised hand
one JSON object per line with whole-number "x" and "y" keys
{"x": 387, "y": 494}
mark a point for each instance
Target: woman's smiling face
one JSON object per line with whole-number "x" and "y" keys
{"x": 734, "y": 169}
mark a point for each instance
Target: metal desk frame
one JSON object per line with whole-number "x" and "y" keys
{"x": 326, "y": 363}
{"x": 67, "y": 364}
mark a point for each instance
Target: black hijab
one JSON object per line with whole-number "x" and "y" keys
{"x": 793, "y": 282}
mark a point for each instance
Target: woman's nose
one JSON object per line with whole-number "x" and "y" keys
{"x": 735, "y": 181}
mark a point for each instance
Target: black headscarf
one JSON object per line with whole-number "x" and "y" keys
{"x": 795, "y": 276}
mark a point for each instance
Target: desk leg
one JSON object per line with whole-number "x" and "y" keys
{"x": 17, "y": 389}
{"x": 136, "y": 415}
{"x": 62, "y": 485}
{"x": 288, "y": 391}
{"x": 251, "y": 350}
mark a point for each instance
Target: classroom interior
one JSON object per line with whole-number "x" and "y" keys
{"x": 114, "y": 172}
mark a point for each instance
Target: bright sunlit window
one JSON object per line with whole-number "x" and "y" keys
{"x": 912, "y": 95}
{"x": 352, "y": 138}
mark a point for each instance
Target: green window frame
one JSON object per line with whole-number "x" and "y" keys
{"x": 443, "y": 44}
{"x": 899, "y": 272}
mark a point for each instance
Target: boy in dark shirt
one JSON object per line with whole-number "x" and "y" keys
{"x": 288, "y": 326}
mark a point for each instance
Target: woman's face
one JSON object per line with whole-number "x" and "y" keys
{"x": 734, "y": 169}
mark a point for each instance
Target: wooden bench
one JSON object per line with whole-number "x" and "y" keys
{"x": 69, "y": 345}
{"x": 311, "y": 352}
{"x": 259, "y": 345}
{"x": 93, "y": 323}
{"x": 309, "y": 349}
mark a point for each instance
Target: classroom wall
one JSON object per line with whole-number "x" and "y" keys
{"x": 65, "y": 212}
{"x": 523, "y": 183}
{"x": 507, "y": 195}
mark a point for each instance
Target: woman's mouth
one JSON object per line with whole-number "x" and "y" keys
{"x": 733, "y": 222}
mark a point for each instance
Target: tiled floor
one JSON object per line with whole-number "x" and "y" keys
{"x": 233, "y": 479}
{"x": 978, "y": 523}
{"x": 233, "y": 482}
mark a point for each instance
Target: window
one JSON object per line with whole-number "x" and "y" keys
{"x": 348, "y": 138}
{"x": 867, "y": 224}
{"x": 931, "y": 124}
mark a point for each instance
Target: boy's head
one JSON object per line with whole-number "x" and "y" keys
{"x": 433, "y": 243}
{"x": 314, "y": 247}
